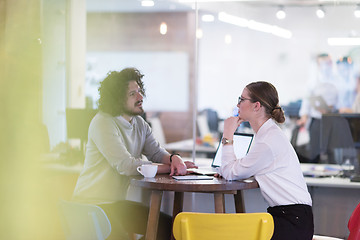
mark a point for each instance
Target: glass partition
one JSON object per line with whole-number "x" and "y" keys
{"x": 246, "y": 41}
{"x": 197, "y": 56}
{"x": 158, "y": 40}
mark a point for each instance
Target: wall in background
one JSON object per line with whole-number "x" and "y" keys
{"x": 166, "y": 76}
{"x": 225, "y": 69}
{"x": 118, "y": 40}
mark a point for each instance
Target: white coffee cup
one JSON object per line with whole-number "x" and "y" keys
{"x": 147, "y": 170}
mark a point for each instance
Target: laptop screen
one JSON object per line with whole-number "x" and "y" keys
{"x": 242, "y": 142}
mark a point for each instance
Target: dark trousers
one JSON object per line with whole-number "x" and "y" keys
{"x": 293, "y": 222}
{"x": 131, "y": 217}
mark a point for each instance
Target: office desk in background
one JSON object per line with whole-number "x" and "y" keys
{"x": 187, "y": 146}
{"x": 164, "y": 182}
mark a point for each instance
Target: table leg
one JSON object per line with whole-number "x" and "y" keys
{"x": 178, "y": 206}
{"x": 219, "y": 202}
{"x": 178, "y": 203}
{"x": 239, "y": 202}
{"x": 154, "y": 212}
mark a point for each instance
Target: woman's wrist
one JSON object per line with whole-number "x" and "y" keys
{"x": 228, "y": 135}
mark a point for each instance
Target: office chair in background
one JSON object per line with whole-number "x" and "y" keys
{"x": 83, "y": 221}
{"x": 225, "y": 226}
{"x": 354, "y": 224}
{"x": 157, "y": 129}
{"x": 208, "y": 122}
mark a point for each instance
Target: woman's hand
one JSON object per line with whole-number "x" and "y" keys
{"x": 217, "y": 175}
{"x": 230, "y": 126}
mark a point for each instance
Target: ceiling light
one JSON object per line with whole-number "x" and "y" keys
{"x": 163, "y": 28}
{"x": 241, "y": 22}
{"x": 281, "y": 14}
{"x": 281, "y": 32}
{"x": 261, "y": 27}
{"x": 357, "y": 11}
{"x": 207, "y": 18}
{"x": 254, "y": 25}
{"x": 320, "y": 12}
{"x": 147, "y": 3}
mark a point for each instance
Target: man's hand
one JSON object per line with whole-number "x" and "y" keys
{"x": 190, "y": 164}
{"x": 178, "y": 167}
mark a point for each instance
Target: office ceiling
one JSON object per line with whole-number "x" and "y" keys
{"x": 186, "y": 5}
{"x": 135, "y": 6}
{"x": 339, "y": 21}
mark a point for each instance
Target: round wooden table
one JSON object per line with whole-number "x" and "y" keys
{"x": 217, "y": 186}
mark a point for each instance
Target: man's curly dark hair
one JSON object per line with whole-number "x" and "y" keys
{"x": 113, "y": 90}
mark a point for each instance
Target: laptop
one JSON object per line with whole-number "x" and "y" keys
{"x": 321, "y": 171}
{"x": 319, "y": 104}
{"x": 242, "y": 143}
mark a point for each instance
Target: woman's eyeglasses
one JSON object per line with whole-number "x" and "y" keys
{"x": 241, "y": 99}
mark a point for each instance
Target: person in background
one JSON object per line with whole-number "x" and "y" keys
{"x": 323, "y": 89}
{"x": 118, "y": 138}
{"x": 355, "y": 108}
{"x": 271, "y": 160}
{"x": 345, "y": 83}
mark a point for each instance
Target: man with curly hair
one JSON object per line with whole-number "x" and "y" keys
{"x": 117, "y": 140}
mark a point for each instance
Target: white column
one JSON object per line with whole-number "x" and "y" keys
{"x": 76, "y": 58}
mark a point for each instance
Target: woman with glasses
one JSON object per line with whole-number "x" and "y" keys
{"x": 271, "y": 160}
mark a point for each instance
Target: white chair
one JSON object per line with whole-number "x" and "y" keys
{"x": 157, "y": 129}
{"x": 84, "y": 221}
{"x": 203, "y": 125}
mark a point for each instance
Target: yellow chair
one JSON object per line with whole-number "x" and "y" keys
{"x": 224, "y": 226}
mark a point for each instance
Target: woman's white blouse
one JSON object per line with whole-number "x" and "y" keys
{"x": 274, "y": 164}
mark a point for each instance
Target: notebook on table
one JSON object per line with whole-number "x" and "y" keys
{"x": 193, "y": 177}
{"x": 242, "y": 143}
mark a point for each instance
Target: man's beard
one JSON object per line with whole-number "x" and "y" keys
{"x": 132, "y": 113}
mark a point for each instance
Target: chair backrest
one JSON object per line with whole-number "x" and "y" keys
{"x": 83, "y": 221}
{"x": 203, "y": 125}
{"x": 213, "y": 119}
{"x": 157, "y": 129}
{"x": 354, "y": 224}
{"x": 225, "y": 226}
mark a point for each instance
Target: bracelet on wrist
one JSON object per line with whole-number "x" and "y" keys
{"x": 173, "y": 155}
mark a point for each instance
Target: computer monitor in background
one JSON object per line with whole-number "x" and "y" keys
{"x": 77, "y": 123}
{"x": 335, "y": 132}
{"x": 354, "y": 124}
{"x": 341, "y": 131}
